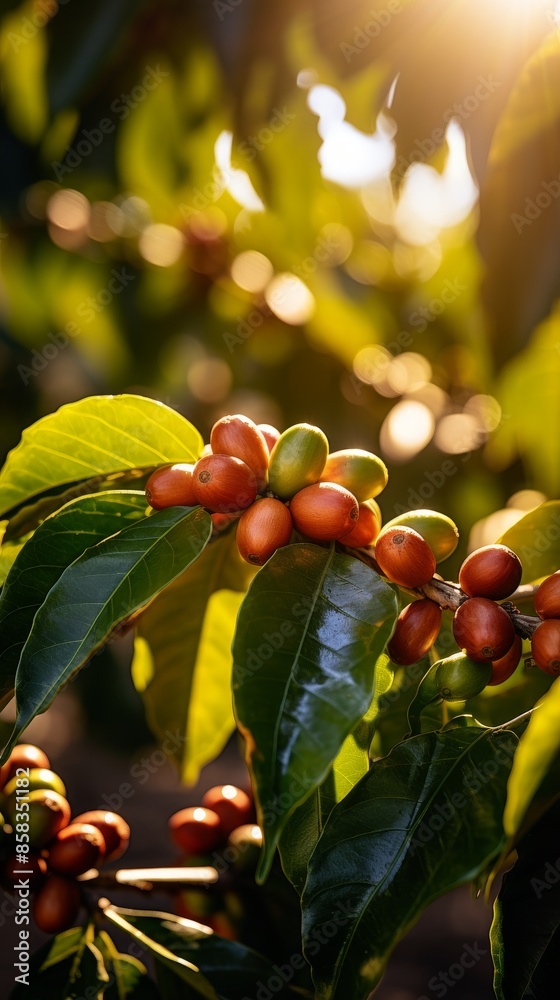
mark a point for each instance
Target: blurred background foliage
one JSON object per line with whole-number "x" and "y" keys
{"x": 345, "y": 213}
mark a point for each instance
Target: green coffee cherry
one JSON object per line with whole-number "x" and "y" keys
{"x": 297, "y": 460}
{"x": 361, "y": 472}
{"x": 458, "y": 678}
{"x": 438, "y": 530}
{"x": 39, "y": 777}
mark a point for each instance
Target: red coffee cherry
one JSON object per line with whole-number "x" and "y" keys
{"x": 196, "y": 830}
{"x": 270, "y": 434}
{"x": 34, "y": 869}
{"x": 545, "y": 646}
{"x": 224, "y": 484}
{"x": 56, "y": 904}
{"x": 324, "y": 511}
{"x": 366, "y": 529}
{"x": 114, "y": 829}
{"x": 232, "y": 804}
{"x": 483, "y": 629}
{"x": 405, "y": 557}
{"x": 416, "y": 631}
{"x": 493, "y": 571}
{"x": 171, "y": 486}
{"x": 238, "y": 436}
{"x": 76, "y": 849}
{"x": 503, "y": 668}
{"x": 547, "y": 597}
{"x": 266, "y": 526}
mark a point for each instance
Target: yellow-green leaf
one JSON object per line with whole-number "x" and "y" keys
{"x": 536, "y": 762}
{"x": 99, "y": 435}
{"x": 536, "y": 540}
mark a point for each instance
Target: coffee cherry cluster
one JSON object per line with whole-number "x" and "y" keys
{"x": 222, "y": 832}
{"x": 41, "y": 841}
{"x": 273, "y": 484}
{"x": 405, "y": 551}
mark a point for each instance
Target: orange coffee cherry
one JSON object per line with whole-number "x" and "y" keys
{"x": 264, "y": 527}
{"x": 196, "y": 830}
{"x": 25, "y": 755}
{"x": 224, "y": 484}
{"x": 416, "y": 631}
{"x": 483, "y": 629}
{"x": 324, "y": 511}
{"x": 238, "y": 436}
{"x": 366, "y": 529}
{"x": 171, "y": 486}
{"x": 270, "y": 434}
{"x": 232, "y": 805}
{"x": 405, "y": 557}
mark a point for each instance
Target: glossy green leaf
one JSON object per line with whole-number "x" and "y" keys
{"x": 185, "y": 969}
{"x": 304, "y": 826}
{"x": 234, "y": 970}
{"x": 60, "y": 540}
{"x": 182, "y": 664}
{"x": 98, "y": 435}
{"x": 102, "y": 588}
{"x": 536, "y": 540}
{"x": 426, "y": 818}
{"x": 525, "y": 933}
{"x": 309, "y": 633}
{"x": 69, "y": 965}
{"x": 129, "y": 978}
{"x": 536, "y": 769}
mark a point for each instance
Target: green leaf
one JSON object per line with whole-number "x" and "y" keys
{"x": 99, "y": 435}
{"x": 103, "y": 587}
{"x": 60, "y": 540}
{"x": 425, "y": 819}
{"x": 182, "y": 663}
{"x": 536, "y": 540}
{"x": 309, "y": 633}
{"x": 69, "y": 965}
{"x": 525, "y": 933}
{"x": 304, "y": 827}
{"x": 186, "y": 970}
{"x": 234, "y": 970}
{"x": 535, "y": 775}
{"x": 128, "y": 976}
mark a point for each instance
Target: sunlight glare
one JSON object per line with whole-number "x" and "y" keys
{"x": 237, "y": 182}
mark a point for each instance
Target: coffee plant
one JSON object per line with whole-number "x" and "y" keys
{"x": 400, "y": 729}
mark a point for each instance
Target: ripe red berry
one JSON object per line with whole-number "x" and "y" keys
{"x": 324, "y": 511}
{"x": 224, "y": 484}
{"x": 171, "y": 486}
{"x": 35, "y": 869}
{"x": 416, "y": 631}
{"x": 270, "y": 434}
{"x": 366, "y": 529}
{"x": 405, "y": 557}
{"x": 545, "y": 646}
{"x": 503, "y": 668}
{"x": 233, "y": 806}
{"x": 483, "y": 629}
{"x": 263, "y": 528}
{"x": 547, "y": 597}
{"x": 114, "y": 829}
{"x": 76, "y": 849}
{"x": 238, "y": 436}
{"x": 56, "y": 905}
{"x": 493, "y": 571}
{"x": 196, "y": 830}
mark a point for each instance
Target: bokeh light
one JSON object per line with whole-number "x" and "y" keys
{"x": 289, "y": 298}
{"x": 252, "y": 271}
{"x": 406, "y": 430}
